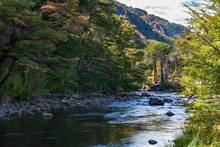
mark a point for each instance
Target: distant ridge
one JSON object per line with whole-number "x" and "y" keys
{"x": 150, "y": 26}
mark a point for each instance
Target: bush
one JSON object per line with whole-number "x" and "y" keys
{"x": 170, "y": 85}
{"x": 203, "y": 127}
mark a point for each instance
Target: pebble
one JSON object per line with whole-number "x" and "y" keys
{"x": 44, "y": 105}
{"x": 47, "y": 115}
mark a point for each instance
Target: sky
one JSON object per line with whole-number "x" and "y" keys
{"x": 172, "y": 10}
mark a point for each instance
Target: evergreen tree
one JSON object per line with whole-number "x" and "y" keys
{"x": 26, "y": 44}
{"x": 66, "y": 46}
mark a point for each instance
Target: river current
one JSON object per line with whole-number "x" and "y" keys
{"x": 129, "y": 123}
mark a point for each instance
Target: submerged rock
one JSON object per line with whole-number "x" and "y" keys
{"x": 167, "y": 100}
{"x": 152, "y": 142}
{"x": 156, "y": 102}
{"x": 169, "y": 113}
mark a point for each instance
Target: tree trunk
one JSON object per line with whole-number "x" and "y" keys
{"x": 5, "y": 78}
{"x": 25, "y": 77}
{"x": 161, "y": 71}
{"x": 155, "y": 71}
{"x": 166, "y": 70}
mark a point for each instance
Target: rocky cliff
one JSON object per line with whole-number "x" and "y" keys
{"x": 151, "y": 26}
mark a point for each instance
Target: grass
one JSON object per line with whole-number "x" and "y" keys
{"x": 203, "y": 127}
{"x": 185, "y": 139}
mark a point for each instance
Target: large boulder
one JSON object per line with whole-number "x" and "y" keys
{"x": 156, "y": 102}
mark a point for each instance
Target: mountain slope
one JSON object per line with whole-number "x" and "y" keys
{"x": 151, "y": 26}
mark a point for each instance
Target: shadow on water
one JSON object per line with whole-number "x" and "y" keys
{"x": 126, "y": 123}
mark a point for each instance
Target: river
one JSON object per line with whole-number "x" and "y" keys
{"x": 129, "y": 123}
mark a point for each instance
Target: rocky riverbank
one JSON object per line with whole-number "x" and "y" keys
{"x": 128, "y": 119}
{"x": 48, "y": 104}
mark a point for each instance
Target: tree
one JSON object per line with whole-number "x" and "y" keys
{"x": 26, "y": 42}
{"x": 28, "y": 59}
{"x": 66, "y": 46}
{"x": 158, "y": 51}
{"x": 201, "y": 50}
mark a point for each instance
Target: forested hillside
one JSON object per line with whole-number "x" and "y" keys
{"x": 149, "y": 25}
{"x": 73, "y": 45}
{"x": 62, "y": 46}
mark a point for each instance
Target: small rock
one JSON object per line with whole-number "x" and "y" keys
{"x": 192, "y": 99}
{"x": 156, "y": 102}
{"x": 166, "y": 100}
{"x": 169, "y": 113}
{"x": 65, "y": 100}
{"x": 152, "y": 142}
{"x": 47, "y": 115}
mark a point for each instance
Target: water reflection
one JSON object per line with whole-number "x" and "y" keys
{"x": 120, "y": 124}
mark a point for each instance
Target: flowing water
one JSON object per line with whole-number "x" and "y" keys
{"x": 129, "y": 123}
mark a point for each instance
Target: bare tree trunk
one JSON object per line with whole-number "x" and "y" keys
{"x": 166, "y": 70}
{"x": 155, "y": 71}
{"x": 161, "y": 71}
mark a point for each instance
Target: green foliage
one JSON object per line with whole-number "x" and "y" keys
{"x": 185, "y": 139}
{"x": 66, "y": 46}
{"x": 156, "y": 48}
{"x": 200, "y": 52}
{"x": 203, "y": 127}
{"x": 157, "y": 52}
{"x": 28, "y": 44}
{"x": 170, "y": 85}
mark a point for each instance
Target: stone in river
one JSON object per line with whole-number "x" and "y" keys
{"x": 152, "y": 142}
{"x": 156, "y": 102}
{"x": 166, "y": 100}
{"x": 47, "y": 115}
{"x": 169, "y": 113}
